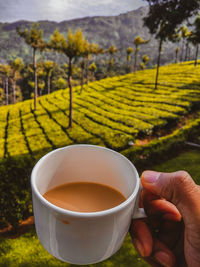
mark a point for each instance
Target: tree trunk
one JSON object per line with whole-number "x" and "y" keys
{"x": 176, "y": 58}
{"x": 82, "y": 72}
{"x": 196, "y": 56}
{"x": 35, "y": 78}
{"x": 70, "y": 93}
{"x": 182, "y": 50}
{"x": 158, "y": 63}
{"x": 127, "y": 59}
{"x": 186, "y": 51}
{"x": 14, "y": 96}
{"x": 49, "y": 83}
{"x": 4, "y": 86}
{"x": 87, "y": 69}
{"x": 135, "y": 61}
{"x": 6, "y": 83}
{"x": 189, "y": 53}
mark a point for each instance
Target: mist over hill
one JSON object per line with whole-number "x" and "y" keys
{"x": 105, "y": 30}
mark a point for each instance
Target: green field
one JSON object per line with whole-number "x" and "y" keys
{"x": 110, "y": 112}
{"x": 27, "y": 250}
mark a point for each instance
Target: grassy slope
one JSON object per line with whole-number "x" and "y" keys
{"x": 110, "y": 112}
{"x": 27, "y": 249}
{"x": 188, "y": 161}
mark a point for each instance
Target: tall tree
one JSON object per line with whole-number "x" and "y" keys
{"x": 82, "y": 66}
{"x": 129, "y": 51}
{"x": 41, "y": 74}
{"x": 72, "y": 47}
{"x": 111, "y": 50}
{"x": 164, "y": 17}
{"x": 176, "y": 53}
{"x": 195, "y": 37}
{"x": 176, "y": 38}
{"x": 138, "y": 41}
{"x": 49, "y": 66}
{"x": 187, "y": 44}
{"x": 2, "y": 96}
{"x": 145, "y": 59}
{"x": 17, "y": 65}
{"x": 33, "y": 37}
{"x": 184, "y": 34}
{"x": 5, "y": 71}
{"x": 89, "y": 50}
{"x": 92, "y": 69}
{"x": 85, "y": 64}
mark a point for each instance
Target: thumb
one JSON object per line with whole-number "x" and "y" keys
{"x": 178, "y": 188}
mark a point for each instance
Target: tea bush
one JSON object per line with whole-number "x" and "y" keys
{"x": 113, "y": 112}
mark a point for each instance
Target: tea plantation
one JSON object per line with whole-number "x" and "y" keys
{"x": 115, "y": 112}
{"x": 111, "y": 112}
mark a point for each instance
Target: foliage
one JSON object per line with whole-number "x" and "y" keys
{"x": 158, "y": 147}
{"x": 112, "y": 112}
{"x": 34, "y": 39}
{"x": 129, "y": 51}
{"x": 15, "y": 198}
{"x": 17, "y": 65}
{"x": 74, "y": 46}
{"x": 145, "y": 59}
{"x": 164, "y": 17}
{"x": 111, "y": 50}
{"x": 5, "y": 71}
{"x": 92, "y": 67}
{"x": 138, "y": 41}
{"x": 194, "y": 37}
{"x": 2, "y": 96}
{"x": 60, "y": 83}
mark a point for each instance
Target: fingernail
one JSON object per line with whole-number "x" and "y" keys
{"x": 163, "y": 258}
{"x": 172, "y": 217}
{"x": 150, "y": 176}
{"x": 138, "y": 246}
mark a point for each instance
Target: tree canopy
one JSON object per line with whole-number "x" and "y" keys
{"x": 165, "y": 15}
{"x": 73, "y": 46}
{"x": 33, "y": 37}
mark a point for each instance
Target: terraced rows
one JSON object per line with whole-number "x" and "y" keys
{"x": 112, "y": 112}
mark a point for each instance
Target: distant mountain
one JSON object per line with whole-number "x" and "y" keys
{"x": 118, "y": 30}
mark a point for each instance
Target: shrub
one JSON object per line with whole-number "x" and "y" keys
{"x": 15, "y": 198}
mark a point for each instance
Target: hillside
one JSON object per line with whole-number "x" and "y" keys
{"x": 113, "y": 112}
{"x": 124, "y": 113}
{"x": 118, "y": 30}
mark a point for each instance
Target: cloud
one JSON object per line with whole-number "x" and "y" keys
{"x": 58, "y": 10}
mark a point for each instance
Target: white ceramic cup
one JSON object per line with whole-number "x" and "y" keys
{"x": 79, "y": 237}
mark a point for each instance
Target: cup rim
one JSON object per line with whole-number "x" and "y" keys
{"x": 76, "y": 213}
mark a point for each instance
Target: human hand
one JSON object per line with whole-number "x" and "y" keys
{"x": 170, "y": 235}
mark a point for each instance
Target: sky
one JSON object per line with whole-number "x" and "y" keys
{"x": 58, "y": 10}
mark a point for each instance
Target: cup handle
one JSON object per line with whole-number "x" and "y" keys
{"x": 139, "y": 213}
